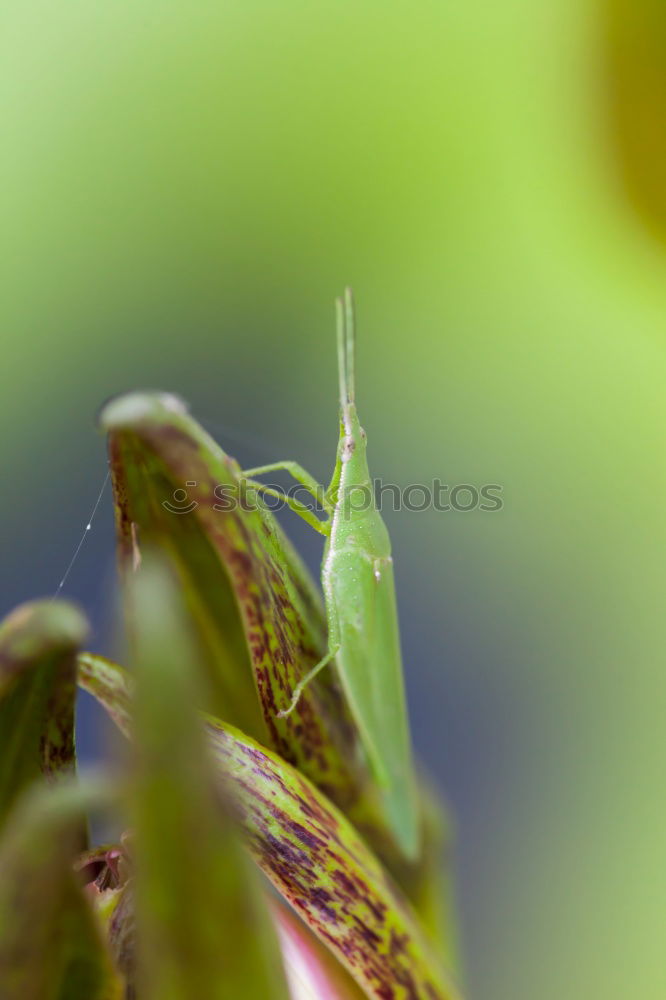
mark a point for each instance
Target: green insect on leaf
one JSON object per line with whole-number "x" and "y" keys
{"x": 359, "y": 590}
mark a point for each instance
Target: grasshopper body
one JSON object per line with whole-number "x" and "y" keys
{"x": 359, "y": 591}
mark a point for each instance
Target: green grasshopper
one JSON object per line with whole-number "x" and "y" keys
{"x": 359, "y": 592}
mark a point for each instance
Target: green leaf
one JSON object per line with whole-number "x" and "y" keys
{"x": 50, "y": 942}
{"x": 317, "y": 862}
{"x": 431, "y": 882}
{"x": 38, "y": 644}
{"x": 203, "y": 929}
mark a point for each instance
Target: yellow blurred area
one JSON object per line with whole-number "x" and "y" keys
{"x": 636, "y": 85}
{"x": 184, "y": 188}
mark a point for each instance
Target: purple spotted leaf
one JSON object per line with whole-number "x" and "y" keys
{"x": 428, "y": 884}
{"x": 38, "y": 646}
{"x": 315, "y": 859}
{"x": 318, "y": 862}
{"x": 312, "y": 970}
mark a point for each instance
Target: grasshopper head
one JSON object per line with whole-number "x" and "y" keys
{"x": 353, "y": 439}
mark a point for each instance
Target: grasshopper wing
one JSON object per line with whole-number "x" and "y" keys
{"x": 370, "y": 665}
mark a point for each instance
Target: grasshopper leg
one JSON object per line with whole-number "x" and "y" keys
{"x": 293, "y": 504}
{"x": 298, "y": 690}
{"x": 297, "y": 472}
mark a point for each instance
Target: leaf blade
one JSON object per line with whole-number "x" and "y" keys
{"x": 202, "y": 927}
{"x": 38, "y": 645}
{"x": 50, "y": 944}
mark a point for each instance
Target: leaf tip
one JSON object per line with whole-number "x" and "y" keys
{"x": 133, "y": 408}
{"x": 38, "y": 626}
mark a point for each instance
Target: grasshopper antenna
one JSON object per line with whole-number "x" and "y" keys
{"x": 342, "y": 352}
{"x": 350, "y": 344}
{"x": 83, "y": 536}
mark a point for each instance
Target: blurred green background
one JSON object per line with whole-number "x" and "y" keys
{"x": 184, "y": 187}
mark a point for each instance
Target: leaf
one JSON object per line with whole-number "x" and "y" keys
{"x": 427, "y": 884}
{"x": 203, "y": 929}
{"x": 38, "y": 644}
{"x": 109, "y": 684}
{"x": 312, "y": 971}
{"x": 117, "y": 909}
{"x": 431, "y": 882}
{"x": 318, "y": 863}
{"x": 50, "y": 943}
{"x": 105, "y": 873}
{"x": 255, "y": 608}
